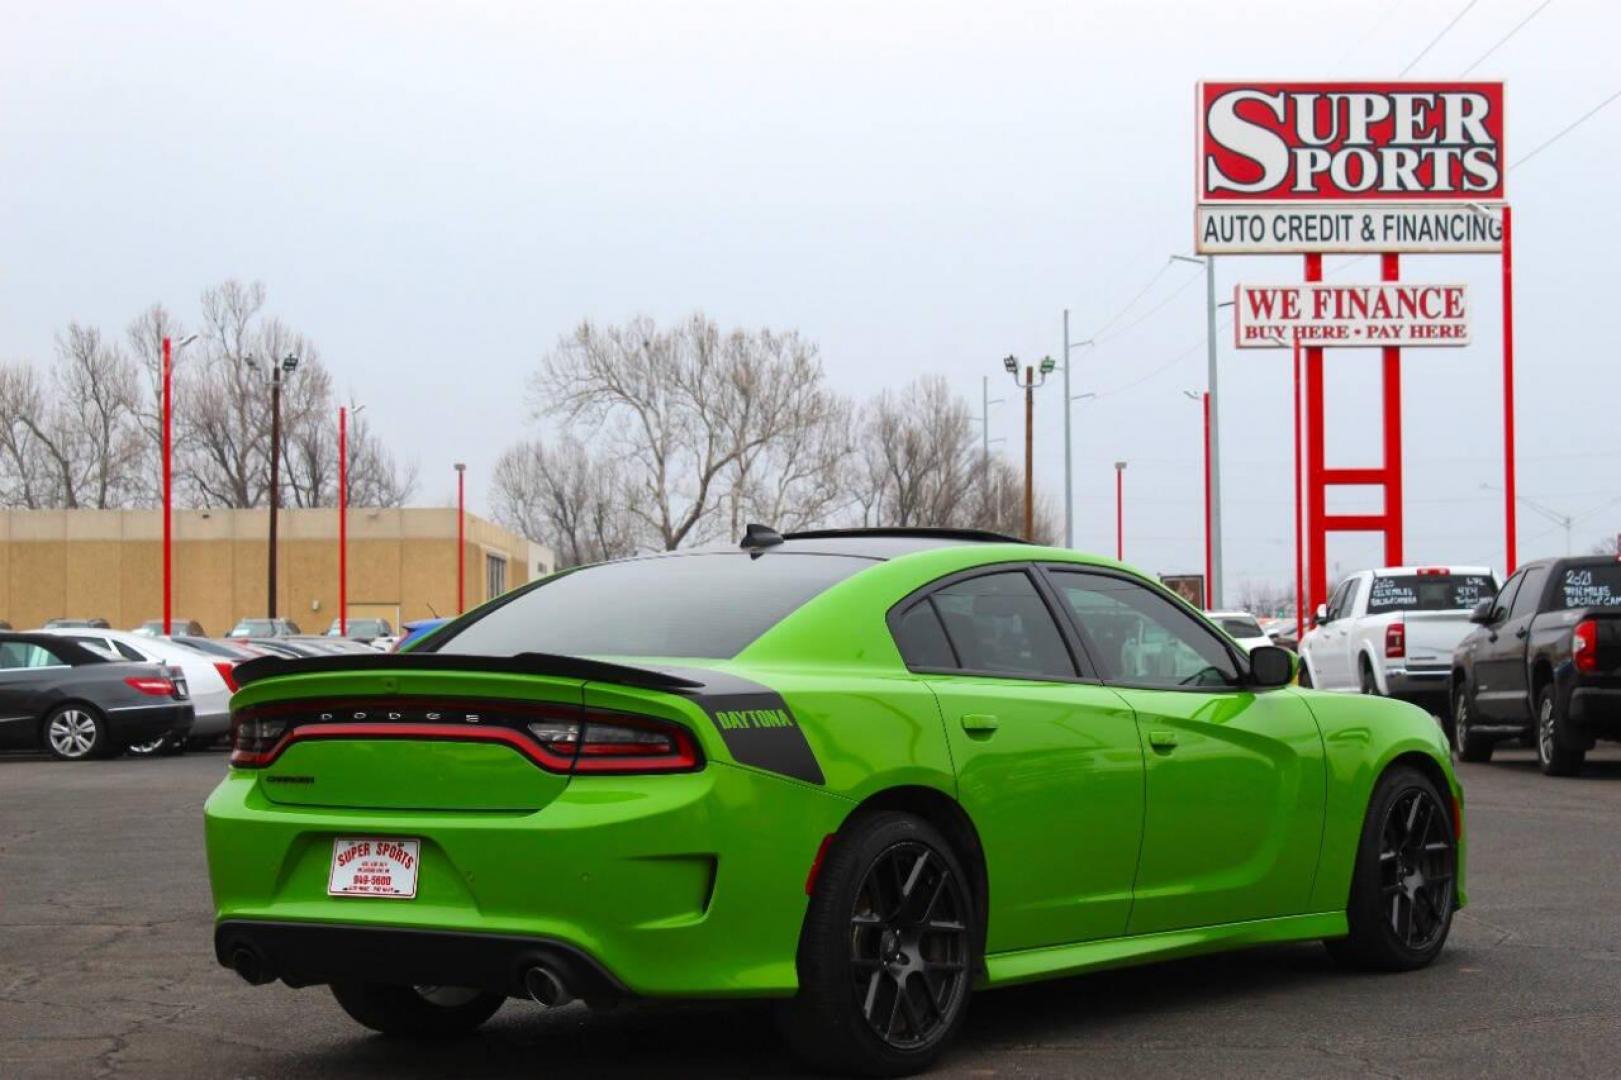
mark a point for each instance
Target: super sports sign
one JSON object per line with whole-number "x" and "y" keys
{"x": 1351, "y": 166}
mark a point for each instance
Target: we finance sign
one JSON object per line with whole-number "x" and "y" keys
{"x": 1350, "y": 316}
{"x": 1349, "y": 166}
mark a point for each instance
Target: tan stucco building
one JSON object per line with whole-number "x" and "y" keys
{"x": 109, "y": 564}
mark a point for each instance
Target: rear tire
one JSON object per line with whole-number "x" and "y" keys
{"x": 166, "y": 746}
{"x": 1403, "y": 886}
{"x": 888, "y": 953}
{"x": 1553, "y": 755}
{"x": 1369, "y": 684}
{"x": 1470, "y": 744}
{"x": 75, "y": 733}
{"x": 417, "y": 1012}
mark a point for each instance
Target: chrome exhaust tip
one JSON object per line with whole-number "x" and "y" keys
{"x": 545, "y": 988}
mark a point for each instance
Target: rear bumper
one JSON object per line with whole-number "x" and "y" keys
{"x": 142, "y": 723}
{"x": 1596, "y": 710}
{"x": 211, "y": 724}
{"x": 1419, "y": 685}
{"x": 681, "y": 885}
{"x": 305, "y": 954}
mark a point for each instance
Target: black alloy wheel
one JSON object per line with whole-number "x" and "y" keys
{"x": 909, "y": 945}
{"x": 1418, "y": 864}
{"x": 1554, "y": 757}
{"x": 1469, "y": 744}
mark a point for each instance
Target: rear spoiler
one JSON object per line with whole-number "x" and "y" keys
{"x": 529, "y": 663}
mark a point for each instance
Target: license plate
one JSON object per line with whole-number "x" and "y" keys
{"x": 380, "y": 866}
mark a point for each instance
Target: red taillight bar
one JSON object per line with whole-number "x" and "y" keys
{"x": 1584, "y": 646}
{"x": 227, "y": 671}
{"x": 151, "y": 684}
{"x": 1396, "y": 640}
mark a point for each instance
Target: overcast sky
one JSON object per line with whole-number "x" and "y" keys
{"x": 435, "y": 192}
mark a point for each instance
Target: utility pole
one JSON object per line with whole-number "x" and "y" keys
{"x": 287, "y": 365}
{"x": 1029, "y": 385}
{"x": 343, "y": 521}
{"x": 1120, "y": 511}
{"x": 461, "y": 537}
{"x": 169, "y": 353}
{"x": 1069, "y": 462}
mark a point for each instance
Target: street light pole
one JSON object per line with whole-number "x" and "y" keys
{"x": 1069, "y": 485}
{"x": 1204, "y": 400}
{"x": 1120, "y": 511}
{"x": 287, "y": 365}
{"x": 1213, "y": 439}
{"x": 1029, "y": 385}
{"x": 168, "y": 478}
{"x": 461, "y": 537}
{"x": 343, "y": 521}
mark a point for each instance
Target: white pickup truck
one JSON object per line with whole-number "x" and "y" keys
{"x": 1392, "y": 631}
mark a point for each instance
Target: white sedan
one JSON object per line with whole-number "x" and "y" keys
{"x": 208, "y": 678}
{"x": 1241, "y": 626}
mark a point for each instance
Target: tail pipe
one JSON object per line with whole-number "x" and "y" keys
{"x": 546, "y": 987}
{"x": 247, "y": 962}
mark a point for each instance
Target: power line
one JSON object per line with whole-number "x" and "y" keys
{"x": 1133, "y": 301}
{"x": 1100, "y": 337}
{"x": 1572, "y": 126}
{"x": 1504, "y": 39}
{"x": 1436, "y": 40}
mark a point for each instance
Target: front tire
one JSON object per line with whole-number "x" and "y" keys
{"x": 1402, "y": 889}
{"x": 1553, "y": 755}
{"x": 163, "y": 746}
{"x": 1304, "y": 677}
{"x": 76, "y": 733}
{"x": 418, "y": 1012}
{"x": 1469, "y": 743}
{"x": 887, "y": 955}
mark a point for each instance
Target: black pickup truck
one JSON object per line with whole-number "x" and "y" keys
{"x": 1543, "y": 664}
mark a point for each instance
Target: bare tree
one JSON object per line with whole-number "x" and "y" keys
{"x": 565, "y": 497}
{"x": 920, "y": 465}
{"x": 693, "y": 413}
{"x": 23, "y": 471}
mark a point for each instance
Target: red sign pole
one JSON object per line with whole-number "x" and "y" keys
{"x": 1300, "y": 550}
{"x": 1209, "y": 563}
{"x": 168, "y": 489}
{"x": 1316, "y": 495}
{"x": 1510, "y": 499}
{"x": 1390, "y": 270}
{"x": 343, "y": 521}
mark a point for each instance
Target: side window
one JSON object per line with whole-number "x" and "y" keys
{"x": 1137, "y": 636}
{"x": 1530, "y": 594}
{"x": 127, "y": 652}
{"x": 921, "y": 639}
{"x": 999, "y": 623}
{"x": 97, "y": 645}
{"x": 1337, "y": 606}
{"x": 16, "y": 655}
{"x": 1347, "y": 606}
{"x": 1505, "y": 595}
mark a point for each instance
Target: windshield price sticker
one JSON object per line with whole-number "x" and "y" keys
{"x": 375, "y": 866}
{"x": 1582, "y": 590}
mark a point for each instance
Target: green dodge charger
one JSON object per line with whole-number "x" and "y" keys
{"x": 864, "y": 772}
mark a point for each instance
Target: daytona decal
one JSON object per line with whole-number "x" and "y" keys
{"x": 756, "y": 724}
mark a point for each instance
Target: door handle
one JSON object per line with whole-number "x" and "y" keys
{"x": 980, "y": 723}
{"x": 1162, "y": 740}
{"x": 1521, "y": 632}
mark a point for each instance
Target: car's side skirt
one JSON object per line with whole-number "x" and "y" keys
{"x": 1028, "y": 965}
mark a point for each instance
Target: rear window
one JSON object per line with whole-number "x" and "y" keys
{"x": 1241, "y": 628}
{"x": 708, "y": 606}
{"x": 1429, "y": 592}
{"x": 1589, "y": 586}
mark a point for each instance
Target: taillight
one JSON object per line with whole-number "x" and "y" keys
{"x": 557, "y": 738}
{"x": 1433, "y": 571}
{"x": 154, "y": 685}
{"x": 256, "y": 738}
{"x": 1584, "y": 646}
{"x": 1396, "y": 640}
{"x": 227, "y": 670}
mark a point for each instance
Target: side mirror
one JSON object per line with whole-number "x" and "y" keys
{"x": 1321, "y": 615}
{"x": 1485, "y": 613}
{"x": 1271, "y": 666}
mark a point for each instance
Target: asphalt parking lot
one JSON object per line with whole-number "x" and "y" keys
{"x": 106, "y": 968}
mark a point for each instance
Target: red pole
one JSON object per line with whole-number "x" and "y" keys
{"x": 168, "y": 491}
{"x": 1316, "y": 493}
{"x": 461, "y": 539}
{"x": 1300, "y": 550}
{"x": 343, "y": 521}
{"x": 1390, "y": 270}
{"x": 1510, "y": 530}
{"x": 1208, "y": 563}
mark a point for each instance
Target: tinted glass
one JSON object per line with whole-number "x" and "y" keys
{"x": 1241, "y": 628}
{"x": 687, "y": 605}
{"x": 1505, "y": 596}
{"x": 1137, "y": 636}
{"x": 999, "y": 623}
{"x": 922, "y": 640}
{"x": 1530, "y": 594}
{"x": 1589, "y": 586}
{"x": 1429, "y": 592}
{"x": 22, "y": 654}
{"x": 99, "y": 646}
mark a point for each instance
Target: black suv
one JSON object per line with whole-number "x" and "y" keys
{"x": 1544, "y": 663}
